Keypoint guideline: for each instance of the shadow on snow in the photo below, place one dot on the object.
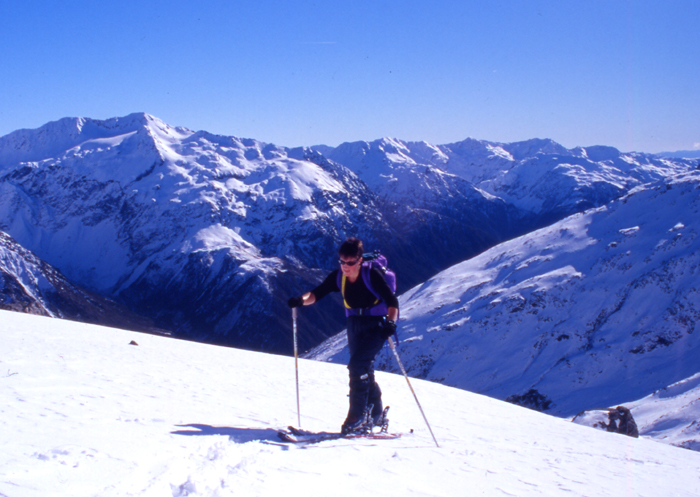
(237, 435)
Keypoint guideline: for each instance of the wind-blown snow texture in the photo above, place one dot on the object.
(209, 235)
(597, 310)
(85, 413)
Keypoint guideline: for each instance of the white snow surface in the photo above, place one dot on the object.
(85, 413)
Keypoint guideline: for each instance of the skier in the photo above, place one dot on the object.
(367, 332)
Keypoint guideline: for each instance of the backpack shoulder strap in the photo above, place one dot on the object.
(366, 277)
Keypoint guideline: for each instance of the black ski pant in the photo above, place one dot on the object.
(364, 343)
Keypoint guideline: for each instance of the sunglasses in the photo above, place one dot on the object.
(348, 263)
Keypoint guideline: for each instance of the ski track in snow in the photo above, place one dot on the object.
(85, 413)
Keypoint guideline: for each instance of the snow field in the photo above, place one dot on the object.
(85, 413)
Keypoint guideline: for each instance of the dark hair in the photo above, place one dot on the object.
(352, 247)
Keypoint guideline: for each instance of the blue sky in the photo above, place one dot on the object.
(619, 73)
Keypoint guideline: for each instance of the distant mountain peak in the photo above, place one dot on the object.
(51, 140)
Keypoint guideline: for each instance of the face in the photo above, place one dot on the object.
(350, 265)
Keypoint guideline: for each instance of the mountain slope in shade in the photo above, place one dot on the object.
(596, 310)
(28, 284)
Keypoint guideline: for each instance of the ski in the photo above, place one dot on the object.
(297, 436)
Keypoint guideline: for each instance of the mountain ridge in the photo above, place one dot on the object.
(209, 235)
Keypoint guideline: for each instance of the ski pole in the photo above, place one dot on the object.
(403, 370)
(296, 360)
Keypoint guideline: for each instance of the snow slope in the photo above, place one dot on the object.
(596, 310)
(86, 413)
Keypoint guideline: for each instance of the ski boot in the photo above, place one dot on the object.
(358, 426)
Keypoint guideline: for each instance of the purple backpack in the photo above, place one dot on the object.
(377, 260)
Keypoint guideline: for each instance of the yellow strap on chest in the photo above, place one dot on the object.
(342, 291)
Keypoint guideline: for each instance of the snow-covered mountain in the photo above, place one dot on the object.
(210, 235)
(446, 215)
(87, 413)
(538, 176)
(28, 284)
(597, 310)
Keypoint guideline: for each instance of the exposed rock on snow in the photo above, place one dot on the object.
(616, 420)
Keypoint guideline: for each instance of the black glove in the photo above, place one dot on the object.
(388, 328)
(295, 302)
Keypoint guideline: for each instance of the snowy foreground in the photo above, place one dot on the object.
(85, 413)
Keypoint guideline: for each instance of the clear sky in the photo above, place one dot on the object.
(304, 72)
